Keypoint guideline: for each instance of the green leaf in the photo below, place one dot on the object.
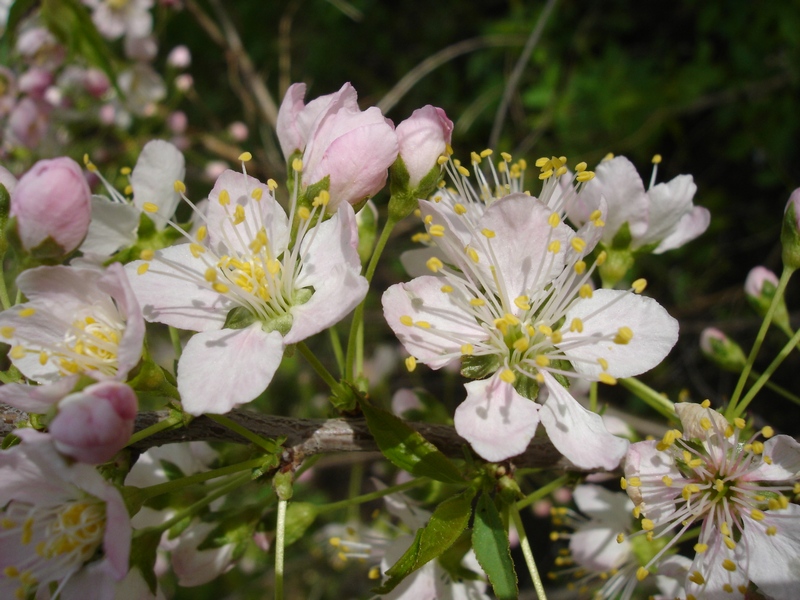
(446, 524)
(490, 543)
(19, 11)
(299, 517)
(479, 367)
(143, 555)
(407, 448)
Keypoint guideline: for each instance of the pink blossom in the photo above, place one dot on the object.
(39, 48)
(96, 82)
(352, 148)
(35, 82)
(179, 57)
(52, 202)
(422, 139)
(28, 122)
(94, 424)
(63, 524)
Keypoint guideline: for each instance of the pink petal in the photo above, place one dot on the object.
(220, 370)
(577, 433)
(496, 421)
(785, 454)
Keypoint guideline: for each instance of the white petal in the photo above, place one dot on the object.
(654, 334)
(594, 546)
(774, 559)
(496, 421)
(450, 325)
(577, 433)
(36, 398)
(172, 291)
(113, 226)
(220, 370)
(657, 501)
(599, 503)
(785, 454)
(668, 203)
(691, 225)
(153, 179)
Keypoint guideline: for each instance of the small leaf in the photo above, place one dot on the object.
(299, 517)
(445, 526)
(407, 448)
(490, 543)
(143, 555)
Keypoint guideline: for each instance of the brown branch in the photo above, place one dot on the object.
(307, 437)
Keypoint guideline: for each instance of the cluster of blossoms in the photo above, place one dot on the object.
(736, 490)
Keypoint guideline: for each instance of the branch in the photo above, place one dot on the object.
(307, 437)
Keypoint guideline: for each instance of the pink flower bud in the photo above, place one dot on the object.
(756, 278)
(183, 83)
(35, 82)
(52, 200)
(179, 57)
(96, 82)
(94, 424)
(422, 139)
(238, 131)
(28, 122)
(353, 148)
(177, 121)
(722, 350)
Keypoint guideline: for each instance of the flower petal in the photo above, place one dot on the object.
(220, 370)
(668, 203)
(773, 559)
(113, 226)
(578, 434)
(657, 501)
(691, 225)
(36, 398)
(496, 421)
(654, 334)
(785, 464)
(153, 179)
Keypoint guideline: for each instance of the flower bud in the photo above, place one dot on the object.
(720, 349)
(51, 208)
(760, 287)
(94, 424)
(790, 232)
(35, 82)
(95, 82)
(179, 57)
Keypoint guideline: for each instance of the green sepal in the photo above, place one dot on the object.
(622, 239)
(490, 543)
(790, 238)
(283, 484)
(143, 555)
(239, 317)
(479, 367)
(367, 221)
(48, 252)
(443, 529)
(345, 397)
(406, 448)
(616, 266)
(405, 199)
(148, 238)
(299, 517)
(527, 387)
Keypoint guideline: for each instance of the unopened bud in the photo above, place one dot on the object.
(790, 232)
(760, 287)
(720, 349)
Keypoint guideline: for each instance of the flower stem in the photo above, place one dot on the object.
(3, 289)
(371, 496)
(764, 379)
(280, 531)
(762, 332)
(268, 446)
(171, 486)
(167, 423)
(317, 366)
(355, 343)
(176, 342)
(542, 492)
(526, 552)
(651, 397)
(336, 346)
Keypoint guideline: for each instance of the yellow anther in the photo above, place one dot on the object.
(196, 250)
(7, 332)
(728, 565)
(411, 364)
(446, 289)
(202, 232)
(521, 302)
(641, 574)
(475, 158)
(43, 357)
(584, 176)
(463, 170)
(697, 578)
(27, 312)
(767, 431)
(428, 219)
(724, 529)
(705, 423)
(601, 258)
(540, 162)
(220, 288)
(125, 171)
(585, 291)
(656, 159)
(578, 244)
(210, 275)
(303, 213)
(142, 268)
(511, 319)
(477, 302)
(472, 253)
(757, 514)
(576, 326)
(506, 156)
(620, 538)
(545, 330)
(554, 246)
(297, 165)
(521, 345)
(467, 349)
(460, 209)
(238, 214)
(508, 376)
(706, 403)
(149, 207)
(434, 264)
(624, 336)
(607, 379)
(623, 483)
(272, 185)
(423, 324)
(772, 530)
(406, 320)
(542, 360)
(442, 159)
(553, 220)
(758, 447)
(274, 266)
(420, 237)
(245, 157)
(546, 174)
(580, 267)
(639, 285)
(667, 480)
(487, 232)
(147, 254)
(561, 171)
(179, 187)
